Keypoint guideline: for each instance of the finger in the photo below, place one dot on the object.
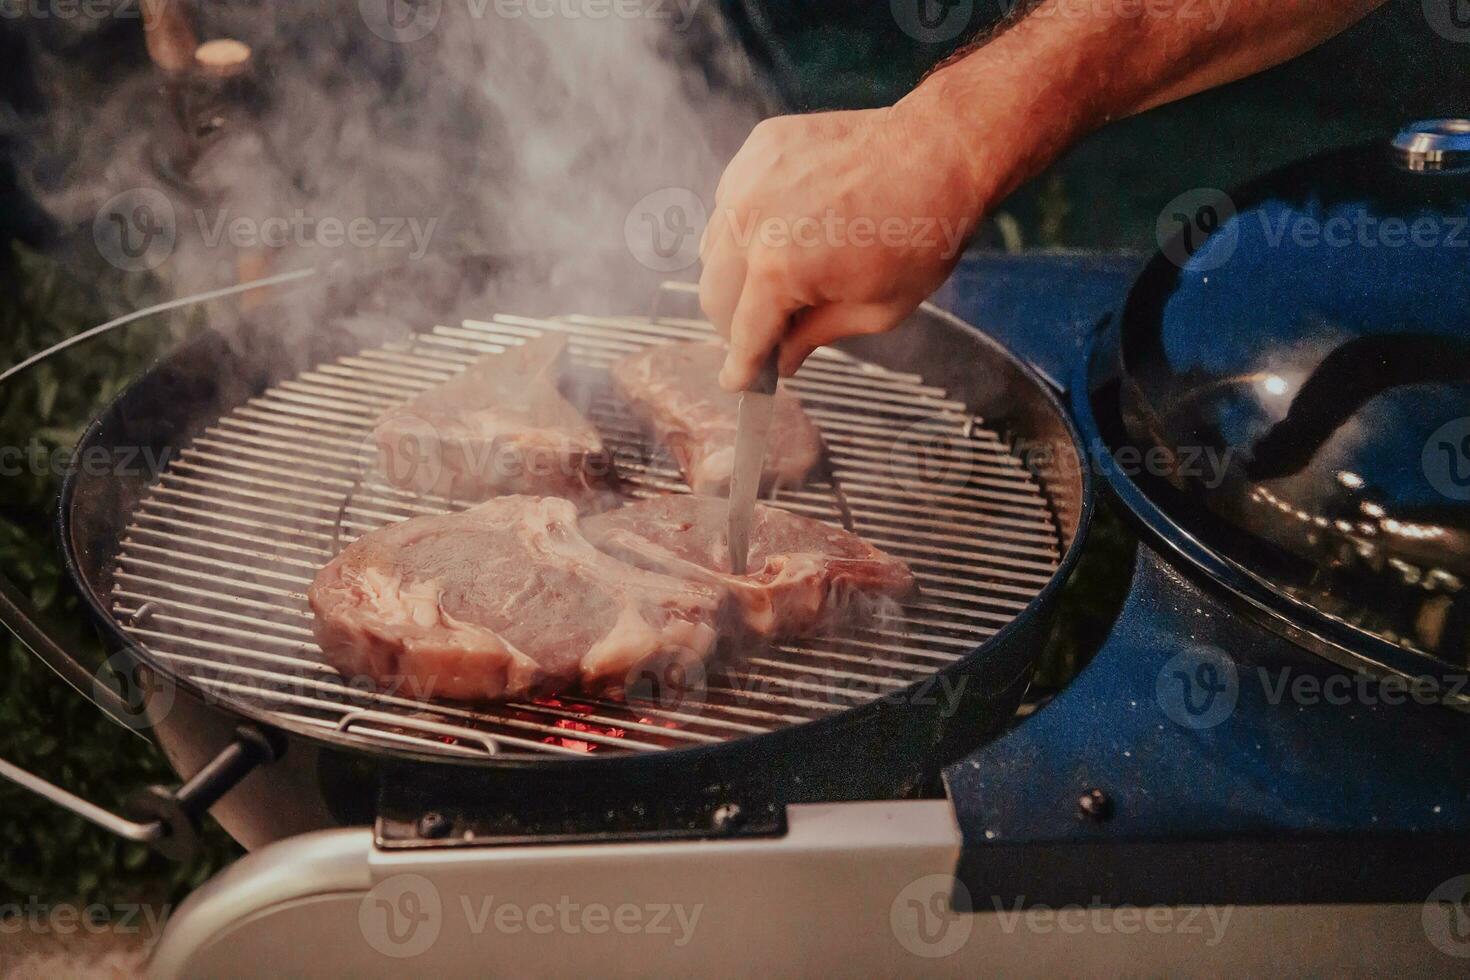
(720, 283)
(760, 321)
(826, 324)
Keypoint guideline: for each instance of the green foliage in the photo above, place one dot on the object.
(45, 726)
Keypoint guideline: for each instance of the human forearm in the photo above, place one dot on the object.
(1071, 66)
(782, 265)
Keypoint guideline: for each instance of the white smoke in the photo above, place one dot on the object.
(511, 127)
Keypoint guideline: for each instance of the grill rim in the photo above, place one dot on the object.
(829, 726)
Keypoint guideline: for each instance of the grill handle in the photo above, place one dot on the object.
(170, 821)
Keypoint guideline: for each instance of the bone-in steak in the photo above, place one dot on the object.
(805, 575)
(673, 389)
(500, 427)
(504, 600)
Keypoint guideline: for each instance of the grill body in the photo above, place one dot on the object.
(946, 685)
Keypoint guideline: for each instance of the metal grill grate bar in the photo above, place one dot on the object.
(215, 564)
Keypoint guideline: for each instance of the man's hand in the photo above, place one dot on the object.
(830, 225)
(841, 223)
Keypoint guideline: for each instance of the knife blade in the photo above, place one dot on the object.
(752, 427)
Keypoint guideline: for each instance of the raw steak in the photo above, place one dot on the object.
(501, 427)
(504, 600)
(673, 388)
(806, 576)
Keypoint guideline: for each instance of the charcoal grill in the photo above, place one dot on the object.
(966, 467)
(1181, 779)
(216, 559)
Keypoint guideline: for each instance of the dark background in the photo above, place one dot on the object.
(1106, 194)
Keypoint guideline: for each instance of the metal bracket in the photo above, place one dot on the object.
(449, 807)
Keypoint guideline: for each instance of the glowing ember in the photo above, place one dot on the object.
(578, 744)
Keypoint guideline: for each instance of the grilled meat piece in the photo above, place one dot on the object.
(673, 389)
(500, 427)
(805, 576)
(505, 600)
